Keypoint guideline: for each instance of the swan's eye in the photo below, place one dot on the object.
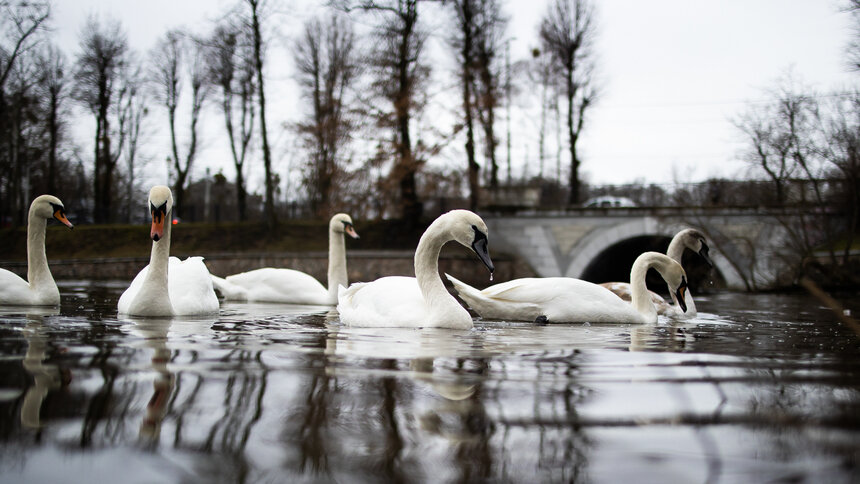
(478, 235)
(158, 212)
(683, 282)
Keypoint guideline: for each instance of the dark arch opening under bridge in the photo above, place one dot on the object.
(614, 262)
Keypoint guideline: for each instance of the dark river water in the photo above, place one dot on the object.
(759, 388)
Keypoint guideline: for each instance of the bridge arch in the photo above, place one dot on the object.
(645, 233)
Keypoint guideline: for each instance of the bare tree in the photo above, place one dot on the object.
(541, 73)
(326, 64)
(256, 6)
(779, 135)
(132, 112)
(853, 9)
(176, 56)
(463, 42)
(98, 76)
(567, 33)
(398, 60)
(55, 86)
(842, 152)
(491, 26)
(21, 24)
(232, 72)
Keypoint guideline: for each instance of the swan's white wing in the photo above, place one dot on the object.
(560, 299)
(13, 289)
(393, 301)
(281, 285)
(664, 307)
(190, 287)
(492, 307)
(129, 294)
(230, 291)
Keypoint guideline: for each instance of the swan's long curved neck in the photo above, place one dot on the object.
(337, 275)
(427, 268)
(159, 257)
(38, 272)
(640, 298)
(676, 248)
(675, 252)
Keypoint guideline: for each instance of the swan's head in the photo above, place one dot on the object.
(342, 224)
(470, 230)
(695, 241)
(161, 207)
(49, 206)
(676, 278)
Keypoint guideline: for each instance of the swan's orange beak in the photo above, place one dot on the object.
(157, 231)
(61, 216)
(350, 230)
(681, 294)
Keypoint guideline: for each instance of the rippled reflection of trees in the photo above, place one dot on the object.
(437, 419)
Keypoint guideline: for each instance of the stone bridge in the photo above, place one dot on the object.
(749, 247)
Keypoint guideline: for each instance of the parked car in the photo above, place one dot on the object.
(608, 201)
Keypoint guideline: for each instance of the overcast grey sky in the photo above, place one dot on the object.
(674, 73)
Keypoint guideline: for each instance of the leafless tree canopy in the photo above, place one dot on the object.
(853, 9)
(176, 61)
(232, 72)
(98, 81)
(399, 73)
(327, 67)
(567, 34)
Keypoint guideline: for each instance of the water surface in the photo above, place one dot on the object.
(758, 388)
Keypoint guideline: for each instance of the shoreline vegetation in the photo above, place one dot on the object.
(119, 251)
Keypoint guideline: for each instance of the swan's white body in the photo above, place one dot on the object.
(41, 290)
(421, 301)
(686, 239)
(290, 286)
(168, 286)
(568, 300)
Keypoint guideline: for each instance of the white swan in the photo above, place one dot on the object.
(41, 290)
(168, 286)
(270, 284)
(568, 300)
(686, 239)
(420, 301)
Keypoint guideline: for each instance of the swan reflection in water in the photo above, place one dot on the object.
(154, 332)
(46, 377)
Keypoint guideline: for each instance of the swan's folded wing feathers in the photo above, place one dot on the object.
(280, 285)
(190, 287)
(13, 289)
(522, 290)
(389, 301)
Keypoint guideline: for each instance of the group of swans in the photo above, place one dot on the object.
(170, 287)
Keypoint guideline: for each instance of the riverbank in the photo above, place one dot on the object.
(120, 251)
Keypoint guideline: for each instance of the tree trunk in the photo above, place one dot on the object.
(269, 207)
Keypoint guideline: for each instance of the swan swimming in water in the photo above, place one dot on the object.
(568, 300)
(686, 239)
(290, 286)
(168, 286)
(41, 290)
(421, 301)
